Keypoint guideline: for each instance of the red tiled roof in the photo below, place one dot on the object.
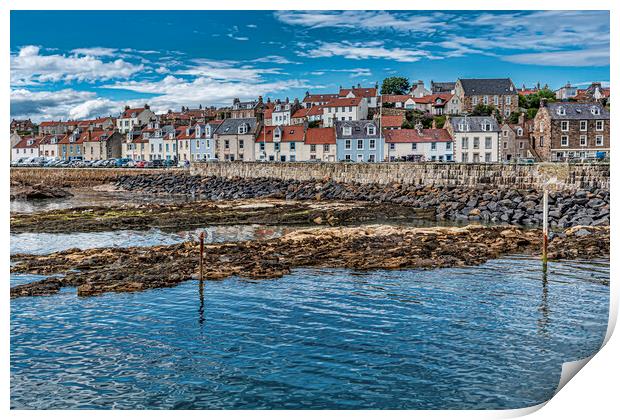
(321, 136)
(412, 135)
(306, 112)
(127, 113)
(182, 132)
(50, 123)
(395, 98)
(289, 133)
(23, 143)
(344, 102)
(96, 135)
(392, 120)
(359, 92)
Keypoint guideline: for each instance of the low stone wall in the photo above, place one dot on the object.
(75, 177)
(523, 177)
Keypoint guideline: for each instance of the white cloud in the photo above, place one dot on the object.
(278, 59)
(61, 104)
(363, 51)
(576, 58)
(358, 19)
(226, 71)
(175, 92)
(30, 67)
(238, 38)
(96, 51)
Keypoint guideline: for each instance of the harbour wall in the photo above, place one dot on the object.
(561, 176)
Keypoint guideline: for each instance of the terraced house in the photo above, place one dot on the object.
(476, 139)
(134, 118)
(234, 139)
(419, 145)
(26, 148)
(102, 144)
(319, 145)
(568, 130)
(344, 109)
(499, 93)
(280, 143)
(49, 146)
(71, 145)
(359, 141)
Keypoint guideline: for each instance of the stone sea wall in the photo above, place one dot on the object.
(522, 177)
(74, 177)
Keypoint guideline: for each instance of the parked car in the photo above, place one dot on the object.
(155, 163)
(120, 162)
(140, 163)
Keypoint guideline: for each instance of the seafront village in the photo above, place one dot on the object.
(463, 121)
(462, 206)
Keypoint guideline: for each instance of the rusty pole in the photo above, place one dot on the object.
(545, 222)
(202, 247)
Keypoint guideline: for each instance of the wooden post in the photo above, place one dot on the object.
(202, 247)
(545, 222)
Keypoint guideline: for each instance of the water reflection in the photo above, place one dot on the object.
(544, 302)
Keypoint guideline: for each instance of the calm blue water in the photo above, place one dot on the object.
(492, 336)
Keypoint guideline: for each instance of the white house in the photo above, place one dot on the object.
(134, 118)
(420, 145)
(281, 143)
(26, 148)
(369, 94)
(476, 139)
(344, 109)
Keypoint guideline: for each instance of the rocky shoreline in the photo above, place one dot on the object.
(38, 192)
(196, 214)
(96, 271)
(495, 205)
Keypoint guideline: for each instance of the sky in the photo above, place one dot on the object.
(84, 64)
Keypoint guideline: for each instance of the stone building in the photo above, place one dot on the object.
(248, 109)
(102, 144)
(514, 140)
(234, 139)
(476, 139)
(568, 130)
(134, 118)
(22, 126)
(499, 93)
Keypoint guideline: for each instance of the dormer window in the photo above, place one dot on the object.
(277, 134)
(187, 131)
(346, 131)
(519, 131)
(145, 135)
(461, 127)
(243, 128)
(30, 142)
(486, 126)
(561, 110)
(371, 130)
(595, 110)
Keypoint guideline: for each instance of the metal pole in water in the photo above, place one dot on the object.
(202, 247)
(545, 224)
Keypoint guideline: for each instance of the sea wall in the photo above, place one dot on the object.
(75, 177)
(524, 176)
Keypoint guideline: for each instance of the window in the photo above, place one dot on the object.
(271, 158)
(346, 131)
(561, 110)
(292, 158)
(485, 100)
(262, 147)
(350, 109)
(595, 110)
(312, 157)
(464, 157)
(414, 146)
(508, 100)
(599, 140)
(488, 143)
(520, 145)
(583, 125)
(392, 146)
(347, 157)
(360, 144)
(371, 158)
(371, 130)
(519, 132)
(564, 125)
(347, 144)
(487, 157)
(448, 145)
(461, 127)
(283, 158)
(496, 100)
(167, 147)
(326, 147)
(474, 100)
(505, 145)
(563, 141)
(292, 146)
(276, 147)
(433, 146)
(505, 133)
(476, 142)
(360, 158)
(226, 144)
(313, 148)
(583, 140)
(541, 141)
(599, 125)
(372, 144)
(464, 143)
(476, 157)
(241, 143)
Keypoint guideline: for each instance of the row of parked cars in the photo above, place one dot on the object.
(41, 161)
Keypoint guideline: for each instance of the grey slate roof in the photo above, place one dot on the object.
(488, 87)
(231, 126)
(442, 87)
(577, 111)
(475, 124)
(358, 129)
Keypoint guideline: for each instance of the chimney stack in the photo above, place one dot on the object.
(522, 119)
(434, 124)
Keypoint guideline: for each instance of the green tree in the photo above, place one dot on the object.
(440, 121)
(395, 85)
(482, 110)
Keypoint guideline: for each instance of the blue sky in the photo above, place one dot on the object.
(83, 64)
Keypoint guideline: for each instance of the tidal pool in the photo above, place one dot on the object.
(493, 336)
